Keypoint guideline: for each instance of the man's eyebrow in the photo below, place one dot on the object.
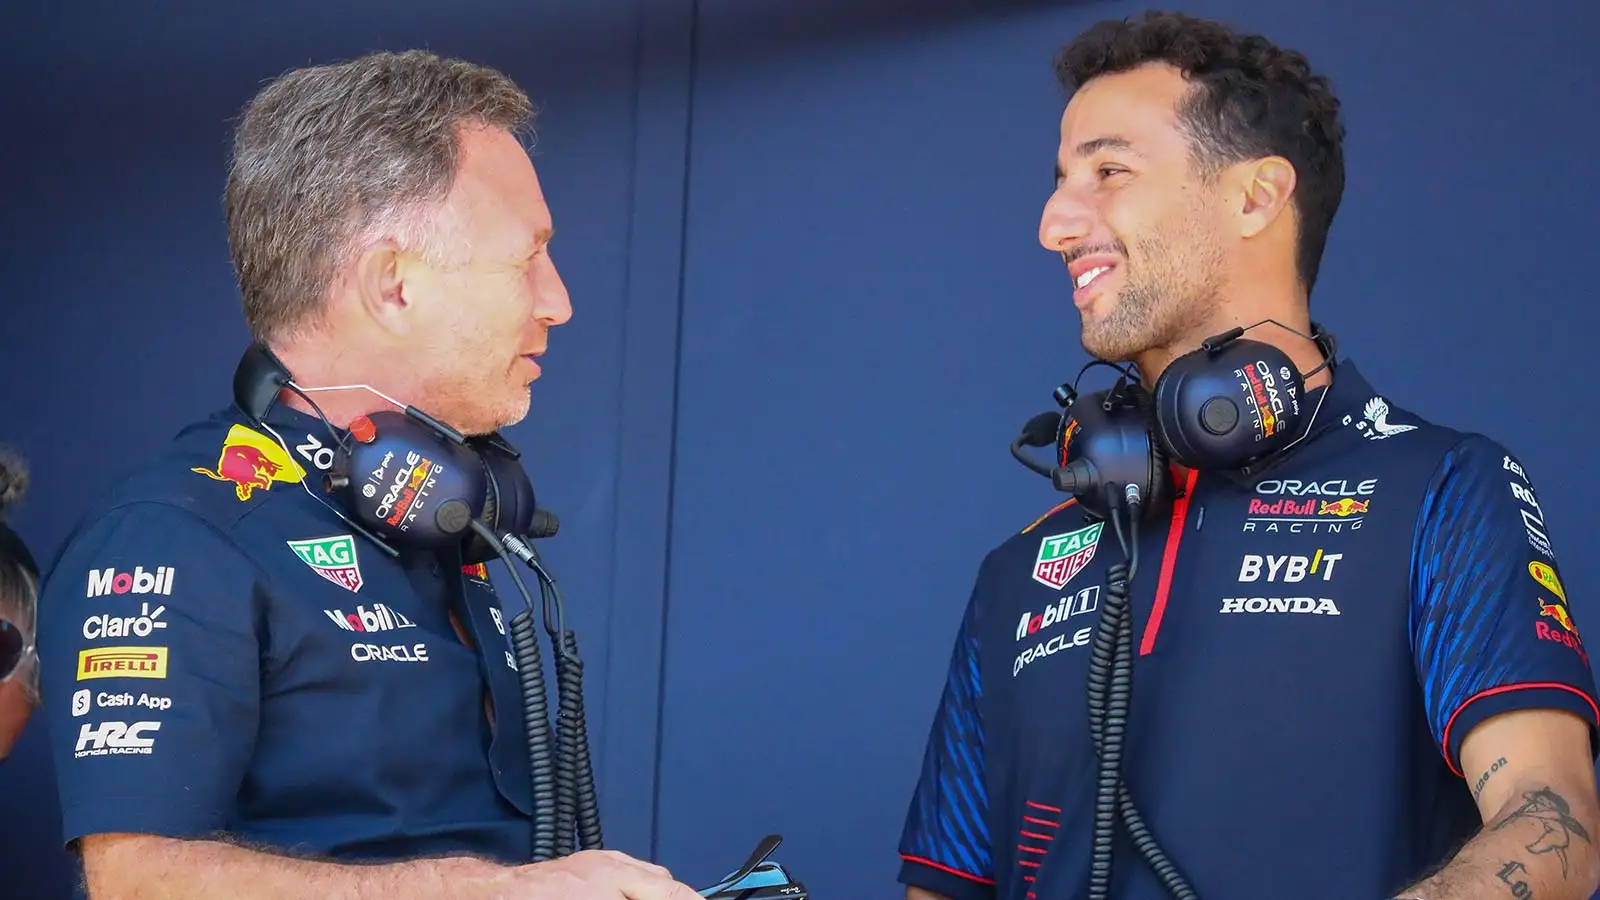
(1091, 147)
(1110, 142)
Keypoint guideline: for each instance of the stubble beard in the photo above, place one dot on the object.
(1159, 308)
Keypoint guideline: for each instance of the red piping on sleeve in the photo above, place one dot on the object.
(943, 868)
(1169, 561)
(1445, 738)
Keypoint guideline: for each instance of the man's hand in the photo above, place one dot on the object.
(145, 867)
(1532, 775)
(596, 875)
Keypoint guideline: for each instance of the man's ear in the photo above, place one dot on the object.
(1265, 188)
(378, 284)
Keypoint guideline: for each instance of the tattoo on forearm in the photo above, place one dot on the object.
(1512, 874)
(1477, 789)
(1553, 814)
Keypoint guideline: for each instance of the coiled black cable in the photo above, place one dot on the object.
(1110, 681)
(574, 727)
(545, 762)
(577, 804)
(536, 721)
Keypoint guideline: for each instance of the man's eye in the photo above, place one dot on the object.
(1108, 171)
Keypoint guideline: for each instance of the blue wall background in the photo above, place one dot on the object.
(810, 314)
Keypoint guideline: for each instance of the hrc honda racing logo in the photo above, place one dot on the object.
(1033, 625)
(108, 738)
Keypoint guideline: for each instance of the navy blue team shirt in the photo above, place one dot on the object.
(1312, 644)
(223, 654)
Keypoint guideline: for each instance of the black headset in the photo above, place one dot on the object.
(1226, 405)
(404, 479)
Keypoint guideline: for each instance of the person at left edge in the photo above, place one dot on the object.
(19, 588)
(247, 699)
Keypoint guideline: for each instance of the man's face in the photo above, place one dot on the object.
(481, 318)
(1141, 232)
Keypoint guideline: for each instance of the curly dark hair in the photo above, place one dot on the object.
(1249, 98)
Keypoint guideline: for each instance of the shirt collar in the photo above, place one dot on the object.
(1326, 407)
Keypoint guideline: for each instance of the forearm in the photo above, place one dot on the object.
(1534, 850)
(142, 867)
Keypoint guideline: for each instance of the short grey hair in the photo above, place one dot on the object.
(328, 155)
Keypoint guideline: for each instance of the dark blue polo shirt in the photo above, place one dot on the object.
(221, 653)
(1312, 642)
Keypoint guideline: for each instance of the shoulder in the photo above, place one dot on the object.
(212, 474)
(1386, 429)
(1472, 488)
(1057, 527)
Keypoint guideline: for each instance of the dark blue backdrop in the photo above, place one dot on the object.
(810, 313)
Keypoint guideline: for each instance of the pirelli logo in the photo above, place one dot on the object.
(122, 662)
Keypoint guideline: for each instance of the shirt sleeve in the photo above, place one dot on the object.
(1491, 627)
(944, 847)
(150, 674)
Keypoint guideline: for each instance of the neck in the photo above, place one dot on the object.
(314, 365)
(1287, 308)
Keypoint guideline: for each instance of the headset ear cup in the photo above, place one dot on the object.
(491, 501)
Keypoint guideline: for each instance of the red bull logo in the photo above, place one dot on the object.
(252, 460)
(1344, 506)
(1283, 506)
(1559, 613)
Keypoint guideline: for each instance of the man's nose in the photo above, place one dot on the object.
(551, 303)
(1067, 219)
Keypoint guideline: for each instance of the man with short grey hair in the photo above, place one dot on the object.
(250, 697)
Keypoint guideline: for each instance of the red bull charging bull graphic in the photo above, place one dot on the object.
(1563, 632)
(252, 461)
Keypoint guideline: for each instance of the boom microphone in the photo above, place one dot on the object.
(1039, 431)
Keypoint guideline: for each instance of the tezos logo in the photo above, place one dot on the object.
(139, 581)
(315, 452)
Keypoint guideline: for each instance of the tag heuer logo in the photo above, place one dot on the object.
(334, 558)
(1062, 556)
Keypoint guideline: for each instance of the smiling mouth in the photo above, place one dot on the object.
(1089, 277)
